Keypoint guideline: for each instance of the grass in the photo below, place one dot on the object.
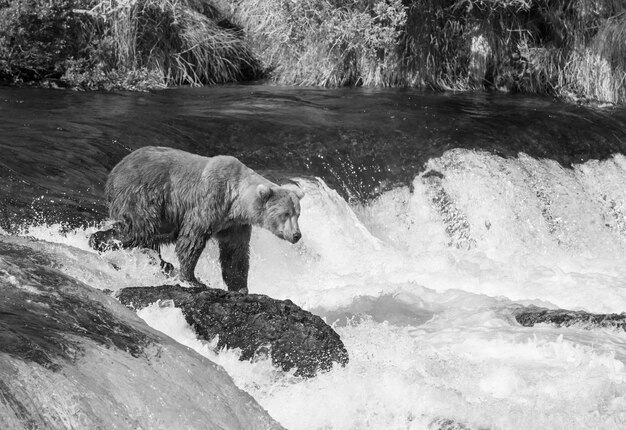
(598, 70)
(181, 40)
(323, 42)
(122, 43)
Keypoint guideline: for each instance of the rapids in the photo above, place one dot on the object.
(427, 219)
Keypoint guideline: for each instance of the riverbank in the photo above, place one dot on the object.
(570, 50)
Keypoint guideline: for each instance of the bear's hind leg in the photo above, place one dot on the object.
(188, 250)
(234, 246)
(108, 240)
(160, 240)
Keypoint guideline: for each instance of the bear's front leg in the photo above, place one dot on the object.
(235, 257)
(188, 249)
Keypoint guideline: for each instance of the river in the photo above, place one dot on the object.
(428, 218)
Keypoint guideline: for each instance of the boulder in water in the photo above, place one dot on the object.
(255, 323)
(531, 315)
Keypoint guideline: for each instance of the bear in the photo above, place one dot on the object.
(161, 195)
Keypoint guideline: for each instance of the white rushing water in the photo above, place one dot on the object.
(431, 273)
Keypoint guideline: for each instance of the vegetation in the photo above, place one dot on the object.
(324, 42)
(560, 47)
(120, 43)
(569, 48)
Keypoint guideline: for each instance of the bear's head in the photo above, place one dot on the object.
(280, 209)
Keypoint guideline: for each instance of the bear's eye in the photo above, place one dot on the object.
(285, 215)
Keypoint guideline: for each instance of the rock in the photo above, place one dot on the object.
(257, 324)
(529, 316)
(72, 357)
(447, 424)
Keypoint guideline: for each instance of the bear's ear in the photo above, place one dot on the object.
(299, 192)
(263, 191)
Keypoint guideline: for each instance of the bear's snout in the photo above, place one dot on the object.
(296, 237)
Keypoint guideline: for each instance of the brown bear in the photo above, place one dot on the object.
(161, 195)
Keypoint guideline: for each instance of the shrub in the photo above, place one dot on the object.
(121, 43)
(327, 42)
(598, 69)
(35, 37)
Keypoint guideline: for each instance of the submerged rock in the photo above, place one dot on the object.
(257, 324)
(72, 357)
(447, 424)
(532, 315)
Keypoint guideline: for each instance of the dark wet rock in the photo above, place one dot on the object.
(257, 324)
(529, 316)
(449, 424)
(73, 357)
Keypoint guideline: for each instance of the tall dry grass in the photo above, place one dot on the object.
(179, 41)
(597, 69)
(324, 42)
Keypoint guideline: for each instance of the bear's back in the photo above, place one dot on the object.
(155, 165)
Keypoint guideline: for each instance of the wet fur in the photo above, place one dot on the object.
(162, 195)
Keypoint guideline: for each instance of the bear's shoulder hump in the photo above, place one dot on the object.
(226, 161)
